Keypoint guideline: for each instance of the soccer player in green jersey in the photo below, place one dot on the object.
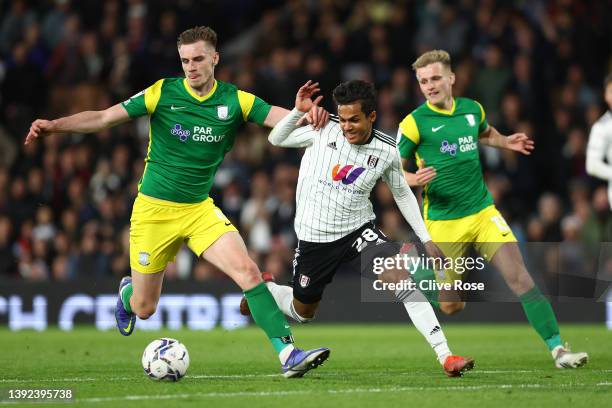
(193, 122)
(443, 135)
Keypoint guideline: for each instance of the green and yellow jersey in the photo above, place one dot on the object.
(189, 135)
(448, 141)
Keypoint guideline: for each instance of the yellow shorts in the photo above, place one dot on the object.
(486, 230)
(158, 228)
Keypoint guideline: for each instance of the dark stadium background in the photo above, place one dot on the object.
(65, 202)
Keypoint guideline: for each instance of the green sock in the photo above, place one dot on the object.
(268, 316)
(541, 317)
(126, 294)
(431, 295)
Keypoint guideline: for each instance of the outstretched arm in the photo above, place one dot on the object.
(519, 142)
(275, 115)
(82, 122)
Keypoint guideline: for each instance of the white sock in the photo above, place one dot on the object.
(424, 319)
(283, 296)
(284, 354)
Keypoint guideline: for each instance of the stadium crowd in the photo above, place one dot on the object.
(65, 202)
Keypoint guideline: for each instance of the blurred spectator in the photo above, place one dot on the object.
(550, 211)
(256, 214)
(8, 262)
(14, 23)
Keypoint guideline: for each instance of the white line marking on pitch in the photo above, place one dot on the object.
(85, 379)
(222, 376)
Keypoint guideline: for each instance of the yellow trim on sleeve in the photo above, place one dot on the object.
(152, 95)
(410, 130)
(195, 95)
(246, 101)
(442, 111)
(482, 112)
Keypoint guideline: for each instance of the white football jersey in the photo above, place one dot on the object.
(336, 179)
(600, 148)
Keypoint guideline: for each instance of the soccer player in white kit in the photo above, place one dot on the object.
(334, 218)
(598, 149)
(600, 143)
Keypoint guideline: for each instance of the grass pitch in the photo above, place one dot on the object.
(370, 365)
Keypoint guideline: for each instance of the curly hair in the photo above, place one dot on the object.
(356, 91)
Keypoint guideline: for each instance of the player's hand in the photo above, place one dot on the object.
(39, 128)
(303, 99)
(520, 142)
(315, 114)
(434, 251)
(424, 174)
(318, 116)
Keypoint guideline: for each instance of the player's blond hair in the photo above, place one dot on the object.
(431, 57)
(198, 33)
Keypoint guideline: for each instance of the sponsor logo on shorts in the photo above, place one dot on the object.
(183, 134)
(345, 174)
(450, 148)
(304, 280)
(143, 258)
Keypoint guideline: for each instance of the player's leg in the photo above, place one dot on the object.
(287, 303)
(453, 237)
(506, 257)
(290, 306)
(314, 267)
(211, 235)
(146, 289)
(416, 304)
(154, 241)
(229, 254)
(450, 301)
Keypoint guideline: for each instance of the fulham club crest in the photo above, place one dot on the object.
(372, 161)
(304, 280)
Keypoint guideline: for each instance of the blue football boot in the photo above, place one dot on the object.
(125, 320)
(302, 361)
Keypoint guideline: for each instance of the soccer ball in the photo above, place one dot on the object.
(165, 359)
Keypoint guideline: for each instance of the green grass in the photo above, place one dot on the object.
(370, 365)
